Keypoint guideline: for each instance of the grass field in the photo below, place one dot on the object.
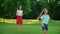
(6, 28)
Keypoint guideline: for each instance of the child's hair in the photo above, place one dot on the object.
(19, 7)
(43, 10)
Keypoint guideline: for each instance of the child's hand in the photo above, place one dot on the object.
(37, 18)
(42, 25)
(16, 14)
(51, 20)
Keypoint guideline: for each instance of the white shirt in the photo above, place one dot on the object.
(20, 12)
(45, 19)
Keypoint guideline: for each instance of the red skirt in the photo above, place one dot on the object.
(19, 20)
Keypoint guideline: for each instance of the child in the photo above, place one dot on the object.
(19, 15)
(44, 20)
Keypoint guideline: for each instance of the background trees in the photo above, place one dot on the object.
(31, 8)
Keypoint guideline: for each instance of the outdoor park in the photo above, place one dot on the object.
(31, 10)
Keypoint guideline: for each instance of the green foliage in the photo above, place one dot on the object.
(9, 7)
(31, 8)
(54, 10)
(26, 7)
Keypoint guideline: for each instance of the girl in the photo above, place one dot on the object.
(44, 20)
(19, 15)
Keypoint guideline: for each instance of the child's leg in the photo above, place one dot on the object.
(20, 27)
(45, 31)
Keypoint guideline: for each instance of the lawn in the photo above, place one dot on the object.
(7, 28)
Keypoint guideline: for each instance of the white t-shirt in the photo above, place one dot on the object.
(45, 19)
(20, 12)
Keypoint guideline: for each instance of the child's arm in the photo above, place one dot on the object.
(42, 24)
(40, 18)
(51, 20)
(16, 13)
(40, 15)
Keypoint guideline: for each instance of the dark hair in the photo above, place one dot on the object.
(43, 11)
(19, 7)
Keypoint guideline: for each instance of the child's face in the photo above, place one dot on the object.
(46, 11)
(20, 7)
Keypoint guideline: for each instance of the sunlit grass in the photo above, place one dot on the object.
(25, 21)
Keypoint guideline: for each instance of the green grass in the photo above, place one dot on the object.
(29, 29)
